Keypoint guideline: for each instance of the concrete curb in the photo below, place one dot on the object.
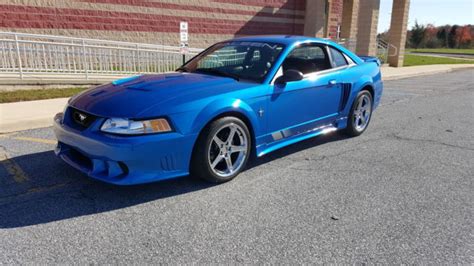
(29, 115)
(37, 114)
(389, 73)
(33, 123)
(403, 76)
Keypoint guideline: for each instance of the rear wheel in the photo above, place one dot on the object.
(360, 114)
(222, 150)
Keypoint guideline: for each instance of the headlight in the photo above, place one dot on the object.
(135, 127)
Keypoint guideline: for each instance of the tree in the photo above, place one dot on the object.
(431, 40)
(442, 35)
(430, 36)
(417, 35)
(463, 36)
(452, 41)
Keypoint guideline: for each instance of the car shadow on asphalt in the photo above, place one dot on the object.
(52, 191)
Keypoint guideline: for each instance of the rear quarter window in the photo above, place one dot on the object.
(337, 57)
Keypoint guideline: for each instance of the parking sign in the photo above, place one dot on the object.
(183, 31)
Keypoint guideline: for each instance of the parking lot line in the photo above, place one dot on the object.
(45, 141)
(13, 168)
(10, 165)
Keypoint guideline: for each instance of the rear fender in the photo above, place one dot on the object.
(363, 82)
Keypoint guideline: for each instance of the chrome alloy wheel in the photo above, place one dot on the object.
(362, 113)
(228, 150)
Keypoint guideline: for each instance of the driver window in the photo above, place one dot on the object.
(307, 59)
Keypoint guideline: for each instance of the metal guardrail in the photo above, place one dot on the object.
(23, 53)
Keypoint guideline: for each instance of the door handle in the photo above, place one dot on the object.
(332, 82)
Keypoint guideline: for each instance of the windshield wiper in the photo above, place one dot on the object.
(217, 72)
(183, 69)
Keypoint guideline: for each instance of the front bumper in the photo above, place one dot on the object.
(124, 160)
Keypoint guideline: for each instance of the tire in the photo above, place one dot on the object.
(217, 157)
(360, 114)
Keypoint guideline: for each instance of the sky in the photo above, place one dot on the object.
(437, 12)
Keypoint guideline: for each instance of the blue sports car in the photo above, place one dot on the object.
(238, 98)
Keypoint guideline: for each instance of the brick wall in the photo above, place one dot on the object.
(334, 17)
(155, 21)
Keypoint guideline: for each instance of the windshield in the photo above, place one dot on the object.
(237, 59)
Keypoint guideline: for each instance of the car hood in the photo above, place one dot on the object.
(135, 97)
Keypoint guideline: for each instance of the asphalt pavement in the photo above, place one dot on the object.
(400, 193)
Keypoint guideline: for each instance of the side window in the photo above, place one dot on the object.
(307, 59)
(337, 57)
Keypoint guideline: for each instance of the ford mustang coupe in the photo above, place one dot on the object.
(238, 98)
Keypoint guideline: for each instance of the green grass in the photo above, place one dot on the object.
(443, 51)
(31, 95)
(418, 60)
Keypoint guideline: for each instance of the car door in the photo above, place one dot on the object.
(314, 100)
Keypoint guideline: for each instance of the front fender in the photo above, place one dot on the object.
(221, 106)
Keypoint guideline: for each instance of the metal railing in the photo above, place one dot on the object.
(23, 53)
(385, 49)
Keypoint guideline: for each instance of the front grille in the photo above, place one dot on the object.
(81, 119)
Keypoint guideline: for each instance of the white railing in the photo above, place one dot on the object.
(385, 49)
(32, 53)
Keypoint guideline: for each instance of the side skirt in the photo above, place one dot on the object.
(325, 129)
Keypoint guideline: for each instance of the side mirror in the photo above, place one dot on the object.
(289, 75)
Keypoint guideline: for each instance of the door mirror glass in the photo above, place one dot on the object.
(288, 76)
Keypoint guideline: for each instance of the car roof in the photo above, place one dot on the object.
(293, 40)
(283, 39)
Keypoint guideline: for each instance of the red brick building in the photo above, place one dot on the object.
(157, 21)
(154, 21)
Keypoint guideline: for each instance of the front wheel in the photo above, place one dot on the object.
(360, 114)
(222, 150)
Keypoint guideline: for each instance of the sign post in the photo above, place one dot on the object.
(183, 36)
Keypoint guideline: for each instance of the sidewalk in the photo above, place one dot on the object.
(391, 73)
(37, 114)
